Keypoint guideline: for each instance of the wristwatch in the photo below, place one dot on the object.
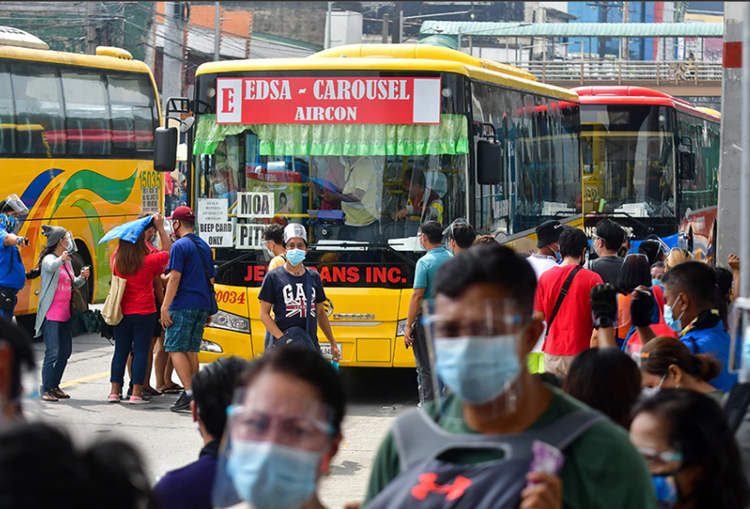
(603, 322)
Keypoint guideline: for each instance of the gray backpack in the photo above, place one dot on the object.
(431, 483)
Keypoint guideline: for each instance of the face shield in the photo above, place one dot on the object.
(273, 451)
(14, 204)
(474, 350)
(70, 242)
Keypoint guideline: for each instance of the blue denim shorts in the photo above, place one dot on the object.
(186, 332)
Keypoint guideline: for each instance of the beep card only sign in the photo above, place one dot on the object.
(370, 100)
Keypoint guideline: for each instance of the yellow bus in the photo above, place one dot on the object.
(76, 144)
(427, 132)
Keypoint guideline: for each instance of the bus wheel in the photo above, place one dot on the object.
(27, 323)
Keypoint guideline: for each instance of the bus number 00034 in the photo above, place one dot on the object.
(230, 297)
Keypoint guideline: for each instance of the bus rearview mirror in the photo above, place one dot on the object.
(165, 148)
(489, 163)
(687, 166)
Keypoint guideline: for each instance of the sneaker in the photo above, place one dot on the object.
(182, 404)
(135, 400)
(114, 398)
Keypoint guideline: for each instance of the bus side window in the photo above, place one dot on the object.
(7, 113)
(40, 116)
(132, 101)
(87, 113)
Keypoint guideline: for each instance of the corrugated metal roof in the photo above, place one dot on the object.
(572, 29)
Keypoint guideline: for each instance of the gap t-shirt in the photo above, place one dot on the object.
(286, 293)
(571, 330)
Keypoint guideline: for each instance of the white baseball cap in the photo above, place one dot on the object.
(293, 230)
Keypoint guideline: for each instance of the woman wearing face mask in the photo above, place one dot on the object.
(11, 264)
(690, 451)
(53, 311)
(285, 289)
(282, 433)
(666, 363)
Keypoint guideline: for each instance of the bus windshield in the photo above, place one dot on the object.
(337, 182)
(629, 159)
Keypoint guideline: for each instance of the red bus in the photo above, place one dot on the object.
(651, 163)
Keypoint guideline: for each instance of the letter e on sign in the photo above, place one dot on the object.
(228, 101)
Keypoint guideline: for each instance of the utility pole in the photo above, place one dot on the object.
(328, 25)
(625, 44)
(90, 28)
(172, 75)
(604, 8)
(386, 24)
(217, 31)
(399, 28)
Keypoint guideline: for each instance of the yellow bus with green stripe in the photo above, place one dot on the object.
(76, 144)
(270, 137)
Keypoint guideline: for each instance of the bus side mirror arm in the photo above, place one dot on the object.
(687, 159)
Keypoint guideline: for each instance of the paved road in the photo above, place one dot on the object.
(168, 440)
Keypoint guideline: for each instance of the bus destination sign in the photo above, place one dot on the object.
(328, 100)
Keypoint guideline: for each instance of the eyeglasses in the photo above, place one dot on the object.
(654, 456)
(252, 424)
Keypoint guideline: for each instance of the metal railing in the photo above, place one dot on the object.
(624, 71)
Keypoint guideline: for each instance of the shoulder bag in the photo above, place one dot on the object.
(211, 293)
(561, 298)
(297, 336)
(112, 310)
(82, 319)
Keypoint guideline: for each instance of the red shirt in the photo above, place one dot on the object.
(571, 330)
(138, 298)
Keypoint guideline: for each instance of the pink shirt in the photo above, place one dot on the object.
(59, 311)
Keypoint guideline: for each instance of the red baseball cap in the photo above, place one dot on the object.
(183, 213)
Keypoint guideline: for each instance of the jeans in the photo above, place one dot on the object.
(134, 331)
(58, 343)
(424, 367)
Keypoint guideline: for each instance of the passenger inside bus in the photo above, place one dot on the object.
(421, 203)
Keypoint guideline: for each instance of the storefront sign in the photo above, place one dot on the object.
(328, 101)
(341, 274)
(255, 205)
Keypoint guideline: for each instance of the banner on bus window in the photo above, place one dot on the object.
(328, 100)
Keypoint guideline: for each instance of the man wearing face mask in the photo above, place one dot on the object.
(12, 272)
(548, 248)
(563, 302)
(213, 388)
(187, 304)
(285, 291)
(430, 239)
(691, 311)
(451, 454)
(273, 237)
(608, 239)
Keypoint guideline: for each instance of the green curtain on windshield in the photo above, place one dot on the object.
(448, 137)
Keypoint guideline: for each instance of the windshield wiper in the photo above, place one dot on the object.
(383, 247)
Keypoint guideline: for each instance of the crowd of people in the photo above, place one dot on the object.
(624, 405)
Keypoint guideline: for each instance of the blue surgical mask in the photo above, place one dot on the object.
(667, 491)
(267, 475)
(656, 282)
(10, 223)
(673, 323)
(295, 256)
(477, 368)
(421, 246)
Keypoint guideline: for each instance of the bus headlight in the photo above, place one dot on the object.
(228, 321)
(400, 327)
(211, 347)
